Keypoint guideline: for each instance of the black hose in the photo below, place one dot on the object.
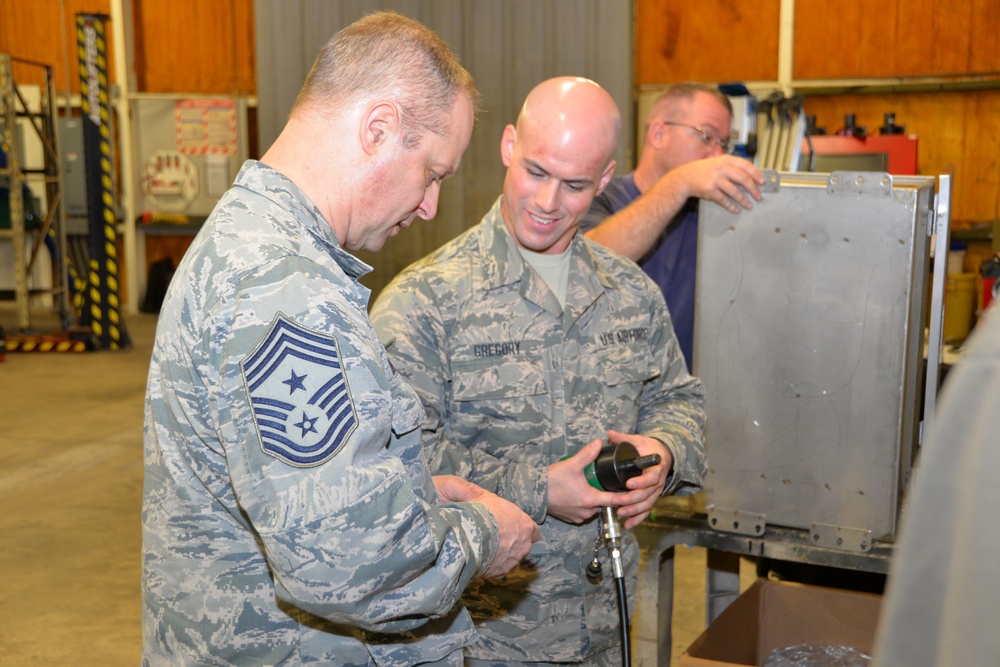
(623, 615)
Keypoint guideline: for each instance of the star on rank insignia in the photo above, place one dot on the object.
(301, 403)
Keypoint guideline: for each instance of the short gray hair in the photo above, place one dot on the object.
(680, 92)
(388, 55)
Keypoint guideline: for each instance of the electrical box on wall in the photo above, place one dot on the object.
(73, 167)
(189, 151)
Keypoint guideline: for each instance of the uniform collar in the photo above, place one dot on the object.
(271, 183)
(503, 265)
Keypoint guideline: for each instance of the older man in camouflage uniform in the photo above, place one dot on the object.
(288, 515)
(527, 343)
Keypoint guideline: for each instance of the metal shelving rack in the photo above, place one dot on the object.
(54, 224)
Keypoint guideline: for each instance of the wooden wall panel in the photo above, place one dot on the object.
(720, 40)
(32, 30)
(957, 131)
(895, 38)
(710, 40)
(195, 46)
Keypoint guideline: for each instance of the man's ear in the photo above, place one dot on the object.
(655, 133)
(379, 123)
(507, 142)
(605, 177)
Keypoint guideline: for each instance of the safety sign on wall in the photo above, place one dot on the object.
(205, 126)
(190, 149)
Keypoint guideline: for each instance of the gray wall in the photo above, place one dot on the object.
(507, 45)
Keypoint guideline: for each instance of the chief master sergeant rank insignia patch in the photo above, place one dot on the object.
(301, 403)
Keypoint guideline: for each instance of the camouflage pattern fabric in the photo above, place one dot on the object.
(610, 658)
(288, 514)
(511, 383)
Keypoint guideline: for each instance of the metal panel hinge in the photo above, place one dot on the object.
(857, 183)
(939, 212)
(735, 521)
(841, 537)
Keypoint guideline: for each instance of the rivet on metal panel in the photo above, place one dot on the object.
(772, 181)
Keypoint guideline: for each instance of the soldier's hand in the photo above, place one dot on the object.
(571, 497)
(517, 533)
(517, 530)
(636, 503)
(454, 489)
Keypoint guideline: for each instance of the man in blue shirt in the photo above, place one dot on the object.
(683, 159)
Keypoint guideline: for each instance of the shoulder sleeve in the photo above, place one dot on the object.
(324, 468)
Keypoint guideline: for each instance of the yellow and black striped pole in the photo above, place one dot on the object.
(102, 307)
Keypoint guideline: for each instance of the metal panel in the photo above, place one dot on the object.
(809, 341)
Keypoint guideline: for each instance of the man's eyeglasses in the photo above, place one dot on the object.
(706, 137)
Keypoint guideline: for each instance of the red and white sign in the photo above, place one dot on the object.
(205, 126)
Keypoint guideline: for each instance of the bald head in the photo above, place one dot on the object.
(577, 111)
(558, 158)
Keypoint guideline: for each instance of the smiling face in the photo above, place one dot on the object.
(558, 160)
(406, 183)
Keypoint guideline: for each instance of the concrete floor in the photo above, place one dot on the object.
(71, 490)
(71, 493)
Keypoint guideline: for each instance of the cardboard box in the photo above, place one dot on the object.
(773, 614)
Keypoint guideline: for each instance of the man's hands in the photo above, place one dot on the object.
(635, 504)
(571, 498)
(719, 179)
(517, 530)
(635, 229)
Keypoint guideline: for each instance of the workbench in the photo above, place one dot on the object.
(677, 521)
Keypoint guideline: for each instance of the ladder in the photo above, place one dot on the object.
(14, 175)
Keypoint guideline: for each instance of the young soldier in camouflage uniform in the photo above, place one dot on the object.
(527, 343)
(288, 517)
